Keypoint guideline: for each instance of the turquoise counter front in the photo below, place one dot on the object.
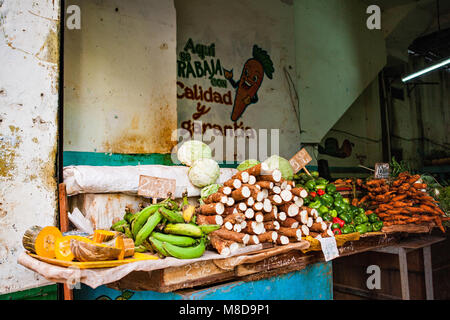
(315, 282)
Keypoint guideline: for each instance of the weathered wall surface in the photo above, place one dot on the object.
(119, 83)
(218, 36)
(28, 129)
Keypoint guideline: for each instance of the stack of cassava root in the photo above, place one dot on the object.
(256, 206)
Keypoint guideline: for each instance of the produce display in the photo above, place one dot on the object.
(103, 245)
(403, 200)
(168, 229)
(259, 205)
(346, 217)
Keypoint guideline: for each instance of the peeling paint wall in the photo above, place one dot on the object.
(28, 130)
(119, 77)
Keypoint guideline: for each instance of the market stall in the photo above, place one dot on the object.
(259, 221)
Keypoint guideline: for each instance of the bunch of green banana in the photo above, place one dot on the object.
(166, 228)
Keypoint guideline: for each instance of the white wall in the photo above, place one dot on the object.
(119, 77)
(28, 127)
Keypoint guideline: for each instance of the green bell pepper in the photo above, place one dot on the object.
(363, 217)
(338, 196)
(306, 201)
(329, 200)
(315, 205)
(358, 220)
(373, 218)
(361, 210)
(310, 185)
(330, 188)
(333, 213)
(377, 226)
(315, 174)
(369, 227)
(346, 229)
(322, 209)
(322, 181)
(346, 200)
(346, 217)
(362, 228)
(327, 216)
(320, 186)
(335, 226)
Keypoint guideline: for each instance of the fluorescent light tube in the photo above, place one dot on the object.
(428, 69)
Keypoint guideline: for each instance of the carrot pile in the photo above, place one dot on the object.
(401, 201)
(257, 205)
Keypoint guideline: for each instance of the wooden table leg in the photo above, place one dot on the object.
(403, 273)
(428, 272)
(64, 226)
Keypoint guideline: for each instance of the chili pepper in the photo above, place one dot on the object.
(313, 194)
(339, 221)
(337, 231)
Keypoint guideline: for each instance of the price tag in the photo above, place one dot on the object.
(381, 170)
(329, 247)
(153, 187)
(300, 160)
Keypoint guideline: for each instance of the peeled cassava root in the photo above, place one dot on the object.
(41, 241)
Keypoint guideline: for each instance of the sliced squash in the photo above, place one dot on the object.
(91, 251)
(104, 235)
(41, 241)
(128, 245)
(62, 247)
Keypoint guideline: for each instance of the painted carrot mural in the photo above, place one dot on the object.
(251, 78)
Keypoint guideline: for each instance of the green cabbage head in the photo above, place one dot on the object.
(204, 172)
(246, 164)
(193, 150)
(280, 163)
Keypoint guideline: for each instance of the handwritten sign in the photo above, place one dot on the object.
(153, 187)
(300, 160)
(381, 170)
(329, 247)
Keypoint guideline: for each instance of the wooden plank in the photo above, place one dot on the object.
(418, 243)
(428, 270)
(367, 294)
(64, 227)
(404, 273)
